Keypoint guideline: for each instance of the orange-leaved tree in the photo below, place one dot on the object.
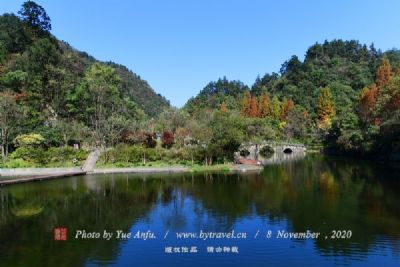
(367, 101)
(384, 73)
(325, 108)
(254, 113)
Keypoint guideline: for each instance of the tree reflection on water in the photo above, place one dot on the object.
(316, 193)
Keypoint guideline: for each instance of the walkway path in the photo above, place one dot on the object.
(91, 160)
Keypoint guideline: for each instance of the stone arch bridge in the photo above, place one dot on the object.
(278, 151)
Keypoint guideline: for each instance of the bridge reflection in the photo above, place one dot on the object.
(281, 157)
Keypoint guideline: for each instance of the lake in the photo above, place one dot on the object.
(209, 219)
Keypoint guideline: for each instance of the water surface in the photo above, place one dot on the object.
(315, 193)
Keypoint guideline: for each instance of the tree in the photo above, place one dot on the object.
(15, 81)
(275, 108)
(10, 116)
(73, 130)
(367, 101)
(180, 135)
(171, 119)
(167, 139)
(115, 125)
(35, 16)
(254, 113)
(264, 106)
(223, 107)
(325, 108)
(227, 136)
(287, 105)
(13, 37)
(99, 96)
(298, 123)
(32, 139)
(246, 104)
(384, 73)
(388, 99)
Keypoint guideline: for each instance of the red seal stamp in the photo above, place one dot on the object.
(60, 234)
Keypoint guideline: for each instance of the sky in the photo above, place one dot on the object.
(179, 46)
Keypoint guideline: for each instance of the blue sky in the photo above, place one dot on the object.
(178, 46)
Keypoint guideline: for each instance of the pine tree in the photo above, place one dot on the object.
(325, 108)
(264, 105)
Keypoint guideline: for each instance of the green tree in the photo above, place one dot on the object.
(99, 98)
(246, 104)
(275, 108)
(227, 135)
(10, 117)
(35, 16)
(13, 37)
(171, 119)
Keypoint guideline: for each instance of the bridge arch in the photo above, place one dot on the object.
(287, 150)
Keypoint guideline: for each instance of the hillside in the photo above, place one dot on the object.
(344, 66)
(23, 46)
(343, 95)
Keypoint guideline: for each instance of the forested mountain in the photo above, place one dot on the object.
(48, 87)
(343, 95)
(217, 92)
(134, 87)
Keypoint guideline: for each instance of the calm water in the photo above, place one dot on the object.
(316, 194)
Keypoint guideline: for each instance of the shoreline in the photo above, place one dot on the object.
(16, 176)
(179, 169)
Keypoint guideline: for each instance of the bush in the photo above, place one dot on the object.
(17, 163)
(39, 157)
(35, 155)
(127, 155)
(32, 139)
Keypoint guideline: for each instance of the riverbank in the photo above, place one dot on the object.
(177, 169)
(28, 179)
(15, 176)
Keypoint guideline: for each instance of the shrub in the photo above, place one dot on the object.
(18, 163)
(30, 154)
(31, 139)
(38, 156)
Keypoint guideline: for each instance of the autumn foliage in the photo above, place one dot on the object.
(367, 101)
(264, 107)
(167, 139)
(384, 73)
(325, 108)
